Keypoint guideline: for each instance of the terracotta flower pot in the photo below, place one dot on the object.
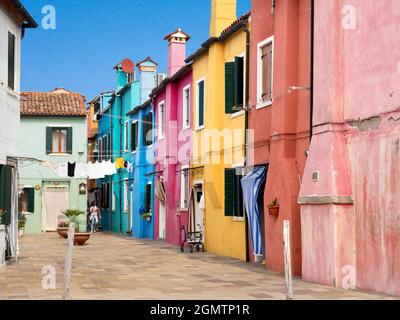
(81, 238)
(63, 232)
(273, 211)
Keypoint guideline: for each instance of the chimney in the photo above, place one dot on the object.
(122, 76)
(223, 13)
(176, 50)
(147, 77)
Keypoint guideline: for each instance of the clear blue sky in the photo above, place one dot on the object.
(93, 35)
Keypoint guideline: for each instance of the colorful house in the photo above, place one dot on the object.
(14, 20)
(92, 147)
(56, 121)
(219, 97)
(139, 136)
(279, 118)
(172, 104)
(349, 199)
(103, 115)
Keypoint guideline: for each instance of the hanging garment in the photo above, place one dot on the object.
(251, 185)
(71, 169)
(95, 170)
(109, 168)
(120, 163)
(81, 170)
(129, 167)
(62, 170)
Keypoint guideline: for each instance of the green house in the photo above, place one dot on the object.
(53, 132)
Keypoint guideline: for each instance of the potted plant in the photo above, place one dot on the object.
(62, 229)
(273, 208)
(80, 237)
(147, 216)
(21, 224)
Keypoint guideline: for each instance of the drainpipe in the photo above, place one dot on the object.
(312, 70)
(246, 125)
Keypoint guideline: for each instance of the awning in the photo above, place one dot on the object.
(251, 185)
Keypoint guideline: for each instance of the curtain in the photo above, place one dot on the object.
(55, 200)
(159, 190)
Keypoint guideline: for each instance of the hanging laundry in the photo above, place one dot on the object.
(95, 170)
(62, 170)
(71, 169)
(81, 170)
(129, 166)
(109, 168)
(120, 163)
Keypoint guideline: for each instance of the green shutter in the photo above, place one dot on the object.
(229, 86)
(31, 200)
(201, 103)
(229, 192)
(49, 138)
(147, 198)
(5, 192)
(134, 134)
(238, 81)
(238, 201)
(69, 140)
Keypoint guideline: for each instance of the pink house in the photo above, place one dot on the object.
(350, 203)
(172, 105)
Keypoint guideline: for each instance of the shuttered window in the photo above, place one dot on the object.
(5, 193)
(234, 85)
(28, 200)
(266, 69)
(233, 194)
(134, 136)
(58, 140)
(200, 104)
(11, 60)
(147, 129)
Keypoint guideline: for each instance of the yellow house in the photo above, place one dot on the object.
(219, 94)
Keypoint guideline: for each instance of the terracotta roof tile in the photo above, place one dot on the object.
(56, 103)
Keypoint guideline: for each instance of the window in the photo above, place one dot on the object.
(113, 200)
(100, 153)
(105, 195)
(126, 196)
(109, 146)
(265, 72)
(186, 108)
(147, 129)
(126, 136)
(28, 200)
(161, 119)
(11, 60)
(134, 136)
(147, 198)
(6, 176)
(58, 140)
(234, 85)
(200, 104)
(233, 194)
(185, 188)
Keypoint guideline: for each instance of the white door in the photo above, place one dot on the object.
(55, 200)
(199, 208)
(162, 221)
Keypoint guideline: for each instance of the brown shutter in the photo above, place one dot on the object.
(267, 72)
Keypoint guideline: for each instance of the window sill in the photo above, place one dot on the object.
(183, 209)
(238, 219)
(161, 138)
(199, 128)
(264, 104)
(12, 93)
(59, 154)
(237, 114)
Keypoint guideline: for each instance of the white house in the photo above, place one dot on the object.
(14, 19)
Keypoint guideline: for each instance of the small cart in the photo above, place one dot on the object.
(192, 240)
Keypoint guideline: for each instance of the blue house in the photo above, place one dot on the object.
(141, 123)
(118, 138)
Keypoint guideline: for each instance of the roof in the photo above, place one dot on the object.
(177, 33)
(18, 10)
(226, 33)
(142, 106)
(56, 103)
(145, 60)
(180, 73)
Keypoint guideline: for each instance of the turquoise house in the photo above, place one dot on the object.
(141, 123)
(115, 142)
(53, 130)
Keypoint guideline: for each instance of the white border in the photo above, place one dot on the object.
(160, 128)
(183, 167)
(259, 103)
(184, 114)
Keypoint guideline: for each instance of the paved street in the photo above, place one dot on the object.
(114, 267)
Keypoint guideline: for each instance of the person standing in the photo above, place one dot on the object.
(94, 213)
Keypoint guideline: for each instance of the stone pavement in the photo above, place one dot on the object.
(115, 267)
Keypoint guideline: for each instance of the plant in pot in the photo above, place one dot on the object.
(72, 215)
(146, 216)
(273, 208)
(21, 224)
(62, 229)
